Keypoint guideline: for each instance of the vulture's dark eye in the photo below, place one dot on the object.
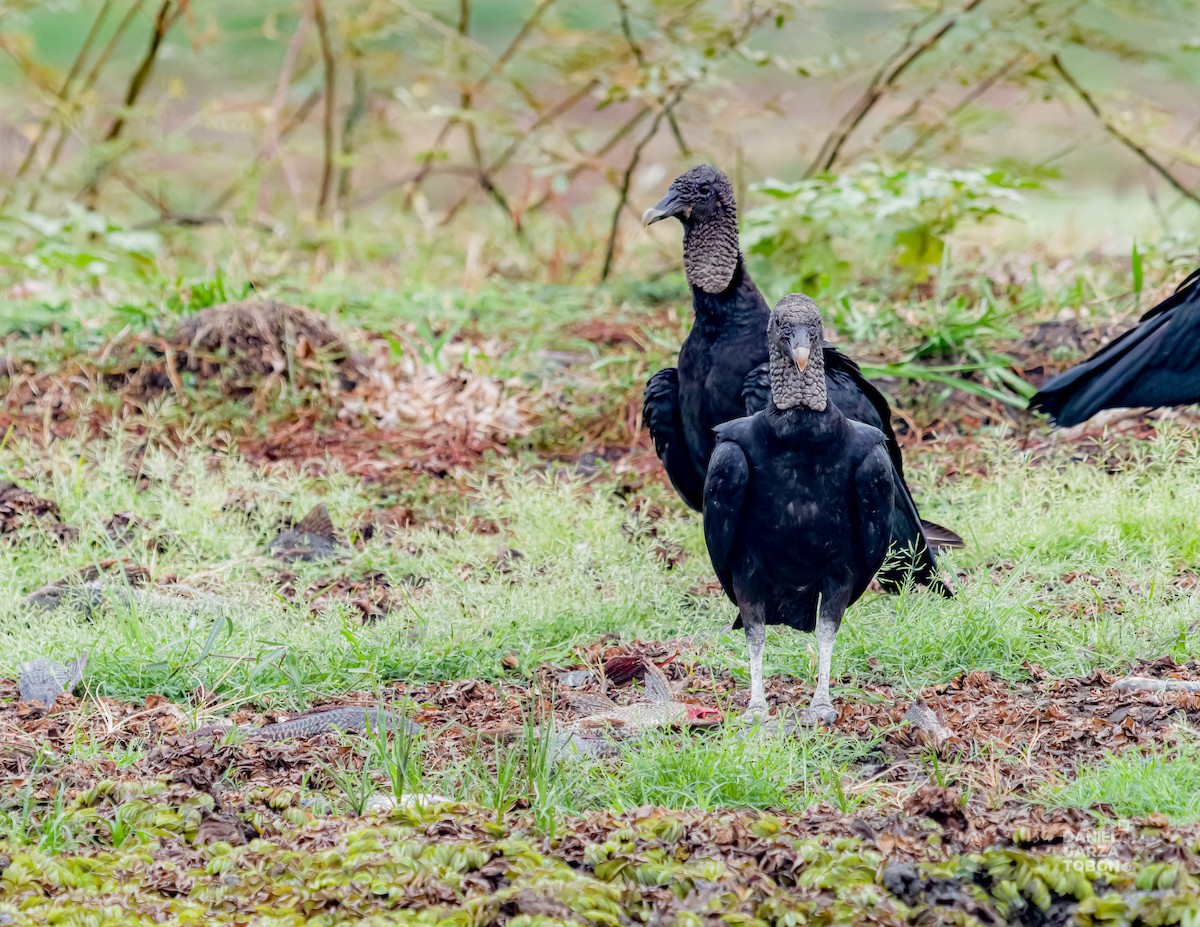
(705, 189)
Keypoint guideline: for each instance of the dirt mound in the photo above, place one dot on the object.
(244, 343)
(245, 348)
(262, 338)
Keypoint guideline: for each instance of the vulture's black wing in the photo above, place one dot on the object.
(724, 492)
(1156, 363)
(660, 407)
(911, 557)
(859, 400)
(873, 495)
(756, 388)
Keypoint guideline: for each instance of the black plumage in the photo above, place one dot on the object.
(722, 369)
(1156, 363)
(799, 502)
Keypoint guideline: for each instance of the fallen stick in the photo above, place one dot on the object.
(1149, 684)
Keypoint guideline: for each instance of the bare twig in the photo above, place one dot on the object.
(62, 106)
(885, 78)
(457, 170)
(627, 177)
(1120, 136)
(639, 55)
(466, 99)
(168, 14)
(271, 144)
(591, 160)
(664, 111)
(549, 115)
(89, 81)
(974, 94)
(354, 115)
(627, 28)
(317, 9)
(494, 69)
(270, 148)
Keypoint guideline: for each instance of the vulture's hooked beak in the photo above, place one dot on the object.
(670, 205)
(797, 348)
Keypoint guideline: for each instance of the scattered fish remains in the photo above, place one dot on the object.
(605, 723)
(42, 681)
(353, 719)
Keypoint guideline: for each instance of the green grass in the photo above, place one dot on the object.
(730, 769)
(1136, 785)
(588, 569)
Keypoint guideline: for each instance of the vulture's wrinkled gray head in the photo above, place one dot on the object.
(702, 199)
(795, 339)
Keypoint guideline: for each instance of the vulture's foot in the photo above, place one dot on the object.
(818, 713)
(755, 717)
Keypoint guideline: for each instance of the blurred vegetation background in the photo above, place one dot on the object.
(450, 141)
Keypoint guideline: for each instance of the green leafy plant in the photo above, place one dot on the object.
(825, 231)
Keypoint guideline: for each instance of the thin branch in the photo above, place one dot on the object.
(354, 114)
(457, 170)
(168, 14)
(885, 78)
(494, 69)
(155, 202)
(283, 83)
(63, 100)
(549, 115)
(563, 106)
(627, 178)
(590, 160)
(640, 57)
(664, 112)
(975, 93)
(466, 99)
(627, 29)
(1120, 136)
(89, 81)
(269, 149)
(327, 128)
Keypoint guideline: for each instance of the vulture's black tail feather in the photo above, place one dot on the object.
(1156, 363)
(941, 538)
(911, 558)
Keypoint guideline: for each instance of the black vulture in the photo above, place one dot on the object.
(722, 370)
(798, 504)
(1156, 363)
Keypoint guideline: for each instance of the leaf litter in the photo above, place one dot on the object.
(224, 826)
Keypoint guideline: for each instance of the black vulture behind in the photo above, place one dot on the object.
(1156, 363)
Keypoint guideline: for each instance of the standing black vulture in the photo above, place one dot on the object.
(722, 372)
(798, 504)
(1156, 363)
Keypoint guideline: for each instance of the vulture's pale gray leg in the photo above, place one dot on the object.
(821, 709)
(756, 639)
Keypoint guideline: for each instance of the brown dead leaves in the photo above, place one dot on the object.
(370, 595)
(23, 513)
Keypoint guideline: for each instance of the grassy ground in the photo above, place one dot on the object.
(505, 525)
